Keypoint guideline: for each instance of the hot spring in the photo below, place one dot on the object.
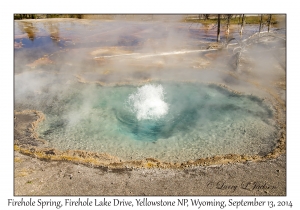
(170, 121)
(142, 89)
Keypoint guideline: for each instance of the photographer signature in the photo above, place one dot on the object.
(250, 186)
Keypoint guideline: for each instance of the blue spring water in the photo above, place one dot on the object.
(169, 121)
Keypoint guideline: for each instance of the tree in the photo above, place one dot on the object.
(242, 24)
(228, 17)
(206, 16)
(219, 24)
(260, 24)
(269, 22)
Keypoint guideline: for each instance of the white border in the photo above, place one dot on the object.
(8, 8)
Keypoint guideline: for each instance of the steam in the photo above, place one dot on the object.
(130, 52)
(80, 73)
(148, 102)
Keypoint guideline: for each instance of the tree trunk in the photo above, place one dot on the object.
(243, 23)
(260, 24)
(228, 24)
(219, 23)
(269, 22)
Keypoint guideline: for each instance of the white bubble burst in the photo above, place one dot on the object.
(148, 102)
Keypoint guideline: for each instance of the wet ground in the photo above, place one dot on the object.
(57, 178)
(75, 45)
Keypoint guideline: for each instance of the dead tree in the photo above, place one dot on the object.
(269, 22)
(260, 23)
(242, 24)
(219, 24)
(206, 16)
(228, 17)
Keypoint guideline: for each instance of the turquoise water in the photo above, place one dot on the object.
(168, 121)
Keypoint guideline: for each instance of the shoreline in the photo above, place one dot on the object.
(61, 178)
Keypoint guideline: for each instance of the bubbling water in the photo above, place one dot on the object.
(148, 102)
(168, 121)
